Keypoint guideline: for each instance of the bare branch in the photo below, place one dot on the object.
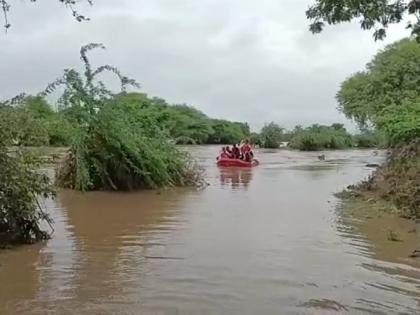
(70, 4)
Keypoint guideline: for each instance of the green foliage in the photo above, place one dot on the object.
(185, 124)
(255, 139)
(271, 135)
(60, 131)
(318, 137)
(226, 132)
(22, 127)
(120, 143)
(401, 123)
(387, 94)
(31, 121)
(20, 186)
(370, 139)
(124, 151)
(373, 14)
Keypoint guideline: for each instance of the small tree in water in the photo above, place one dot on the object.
(116, 147)
(21, 184)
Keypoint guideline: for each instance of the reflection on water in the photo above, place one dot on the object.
(235, 177)
(257, 241)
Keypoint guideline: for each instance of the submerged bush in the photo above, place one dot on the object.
(123, 150)
(271, 136)
(20, 186)
(118, 144)
(318, 137)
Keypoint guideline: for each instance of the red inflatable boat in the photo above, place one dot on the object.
(226, 162)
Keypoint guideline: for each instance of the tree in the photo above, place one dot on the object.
(20, 186)
(5, 6)
(117, 146)
(271, 135)
(373, 14)
(319, 137)
(387, 93)
(226, 132)
(20, 182)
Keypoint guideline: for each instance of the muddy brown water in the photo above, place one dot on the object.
(267, 240)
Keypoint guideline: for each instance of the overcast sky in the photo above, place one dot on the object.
(242, 60)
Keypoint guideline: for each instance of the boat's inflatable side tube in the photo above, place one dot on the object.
(236, 163)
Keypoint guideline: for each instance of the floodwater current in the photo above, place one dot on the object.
(267, 240)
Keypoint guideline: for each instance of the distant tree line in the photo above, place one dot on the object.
(34, 121)
(317, 137)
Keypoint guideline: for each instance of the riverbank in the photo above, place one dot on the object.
(392, 237)
(396, 182)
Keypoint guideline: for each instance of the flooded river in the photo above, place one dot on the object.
(268, 240)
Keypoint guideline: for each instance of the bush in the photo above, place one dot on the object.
(370, 139)
(271, 135)
(401, 123)
(226, 132)
(20, 186)
(60, 131)
(318, 137)
(125, 150)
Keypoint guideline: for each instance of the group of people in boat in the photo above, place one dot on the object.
(241, 151)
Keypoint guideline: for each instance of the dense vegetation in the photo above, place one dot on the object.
(20, 186)
(36, 123)
(118, 143)
(21, 182)
(185, 124)
(387, 96)
(271, 136)
(317, 137)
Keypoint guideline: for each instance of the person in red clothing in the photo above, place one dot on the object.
(224, 154)
(236, 153)
(246, 151)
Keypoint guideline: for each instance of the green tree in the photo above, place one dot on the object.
(370, 139)
(319, 137)
(271, 135)
(20, 186)
(36, 106)
(387, 94)
(373, 14)
(115, 147)
(20, 183)
(226, 132)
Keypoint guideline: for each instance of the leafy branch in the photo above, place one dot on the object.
(373, 14)
(86, 91)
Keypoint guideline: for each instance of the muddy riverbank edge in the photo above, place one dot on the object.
(396, 182)
(390, 198)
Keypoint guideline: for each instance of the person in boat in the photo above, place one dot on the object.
(236, 153)
(229, 151)
(224, 154)
(246, 151)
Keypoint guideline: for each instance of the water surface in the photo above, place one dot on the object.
(267, 240)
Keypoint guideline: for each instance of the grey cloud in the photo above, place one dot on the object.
(237, 59)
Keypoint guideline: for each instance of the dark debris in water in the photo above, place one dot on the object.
(325, 304)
